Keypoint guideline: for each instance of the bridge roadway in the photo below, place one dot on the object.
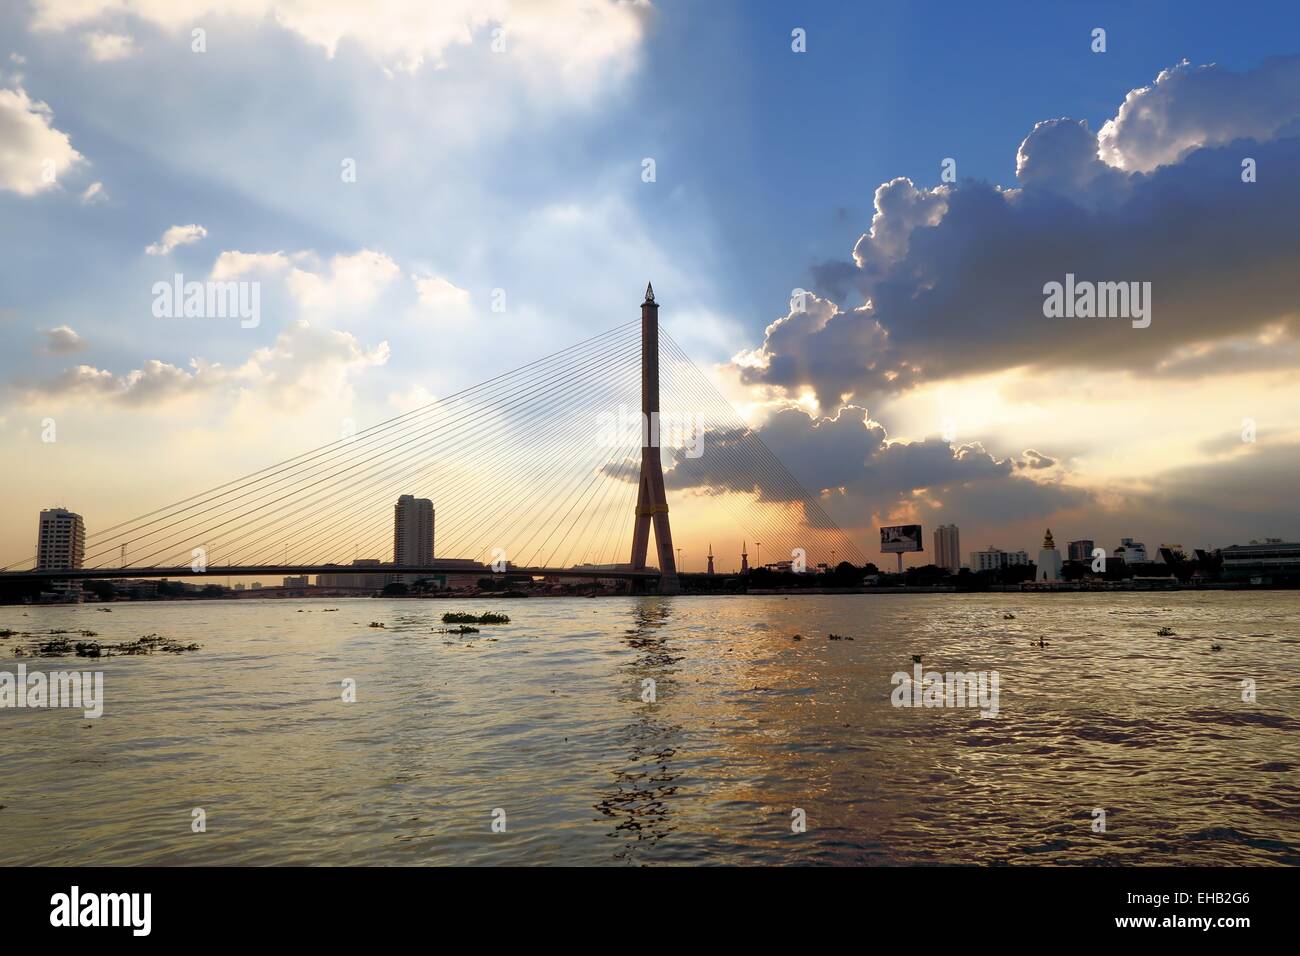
(271, 570)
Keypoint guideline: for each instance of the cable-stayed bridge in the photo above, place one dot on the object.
(563, 467)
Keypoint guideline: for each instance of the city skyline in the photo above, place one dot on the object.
(876, 398)
(414, 537)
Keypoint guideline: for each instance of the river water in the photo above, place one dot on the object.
(542, 727)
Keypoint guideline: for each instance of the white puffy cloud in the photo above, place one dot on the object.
(1189, 107)
(232, 264)
(438, 295)
(105, 47)
(349, 282)
(61, 340)
(569, 35)
(33, 154)
(176, 236)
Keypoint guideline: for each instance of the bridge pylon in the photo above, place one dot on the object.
(651, 501)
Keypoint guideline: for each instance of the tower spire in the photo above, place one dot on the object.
(649, 292)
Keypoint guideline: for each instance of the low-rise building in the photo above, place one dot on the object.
(1270, 561)
(995, 559)
(1131, 552)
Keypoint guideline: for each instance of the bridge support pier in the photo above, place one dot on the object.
(651, 501)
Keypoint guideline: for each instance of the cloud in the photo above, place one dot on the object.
(105, 47)
(568, 35)
(951, 278)
(304, 364)
(1189, 107)
(1035, 461)
(863, 477)
(1233, 499)
(62, 340)
(94, 194)
(347, 281)
(438, 295)
(350, 281)
(232, 264)
(33, 154)
(176, 236)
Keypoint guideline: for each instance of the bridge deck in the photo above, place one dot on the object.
(271, 570)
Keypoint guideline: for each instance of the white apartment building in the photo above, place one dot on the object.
(1131, 551)
(60, 543)
(994, 559)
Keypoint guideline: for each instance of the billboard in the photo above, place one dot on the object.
(900, 538)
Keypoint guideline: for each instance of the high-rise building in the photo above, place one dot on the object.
(413, 530)
(60, 540)
(710, 559)
(1080, 550)
(60, 543)
(1049, 560)
(947, 547)
(744, 558)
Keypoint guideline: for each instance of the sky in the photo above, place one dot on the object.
(429, 194)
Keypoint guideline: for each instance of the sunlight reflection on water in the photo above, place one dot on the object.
(544, 718)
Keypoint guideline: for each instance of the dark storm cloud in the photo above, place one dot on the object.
(953, 277)
(849, 461)
(1234, 499)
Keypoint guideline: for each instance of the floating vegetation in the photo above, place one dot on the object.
(5, 632)
(916, 658)
(463, 629)
(1165, 632)
(838, 637)
(1216, 647)
(797, 637)
(1008, 617)
(149, 644)
(377, 624)
(459, 617)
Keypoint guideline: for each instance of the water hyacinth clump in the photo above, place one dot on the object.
(149, 644)
(490, 617)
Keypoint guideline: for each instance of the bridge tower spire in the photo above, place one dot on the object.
(651, 501)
